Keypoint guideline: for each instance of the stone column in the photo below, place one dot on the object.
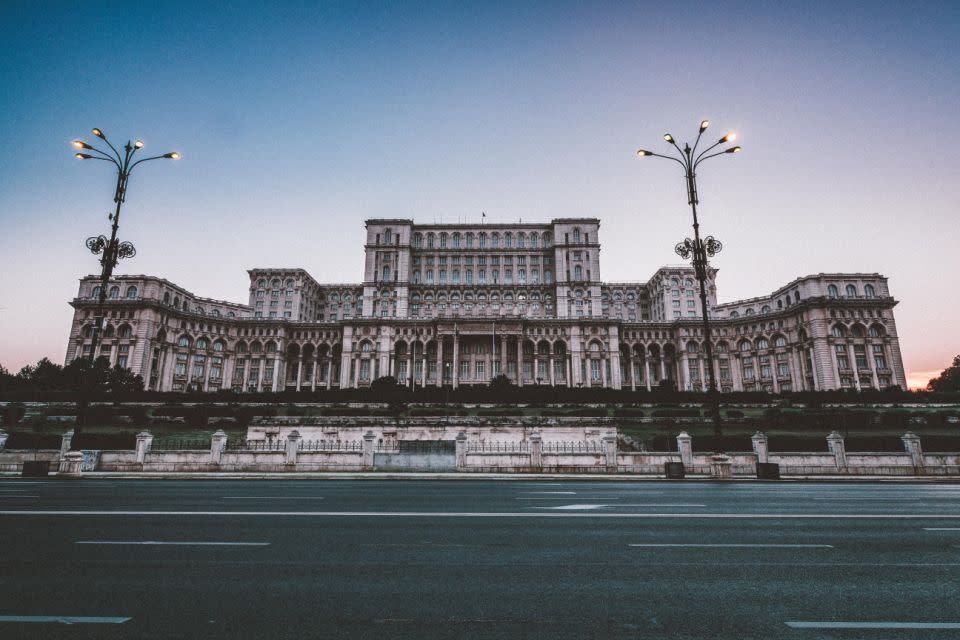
(503, 354)
(813, 372)
(461, 451)
(439, 361)
(260, 364)
(299, 371)
(569, 369)
(313, 372)
(329, 371)
(835, 445)
(550, 365)
(218, 442)
(871, 362)
(633, 371)
(293, 447)
(3, 439)
(852, 355)
(759, 441)
(836, 365)
(65, 441)
(610, 451)
(423, 370)
(646, 371)
(520, 361)
(685, 447)
(368, 439)
(144, 442)
(663, 367)
(603, 371)
(536, 452)
(911, 444)
(456, 359)
(683, 380)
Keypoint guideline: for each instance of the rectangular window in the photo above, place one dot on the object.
(198, 362)
(559, 371)
(879, 358)
(676, 304)
(216, 368)
(443, 276)
(725, 370)
(465, 370)
(860, 354)
(594, 371)
(481, 370)
(364, 369)
(842, 361)
(181, 366)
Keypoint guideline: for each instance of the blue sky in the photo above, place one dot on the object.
(298, 121)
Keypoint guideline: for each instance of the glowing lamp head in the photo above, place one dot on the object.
(81, 156)
(703, 125)
(173, 155)
(668, 138)
(643, 152)
(734, 149)
(138, 144)
(79, 144)
(729, 137)
(98, 133)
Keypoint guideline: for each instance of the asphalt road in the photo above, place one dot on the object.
(477, 559)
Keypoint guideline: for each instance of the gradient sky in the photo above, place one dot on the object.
(297, 122)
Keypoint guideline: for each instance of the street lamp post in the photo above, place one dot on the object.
(111, 250)
(700, 248)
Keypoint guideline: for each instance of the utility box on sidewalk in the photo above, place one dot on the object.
(673, 470)
(768, 471)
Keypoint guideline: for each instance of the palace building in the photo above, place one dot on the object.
(457, 304)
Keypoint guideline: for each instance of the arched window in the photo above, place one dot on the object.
(96, 292)
(763, 343)
(495, 240)
(365, 347)
(262, 283)
(443, 240)
(876, 331)
(456, 240)
(201, 343)
(521, 241)
(869, 291)
(483, 241)
(131, 292)
(832, 291)
(176, 301)
(508, 239)
(114, 292)
(417, 240)
(780, 341)
(533, 239)
(184, 341)
(745, 345)
(469, 241)
(765, 309)
(851, 291)
(430, 240)
(734, 314)
(124, 331)
(857, 331)
(218, 345)
(838, 331)
(692, 347)
(748, 312)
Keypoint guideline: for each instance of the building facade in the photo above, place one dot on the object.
(456, 304)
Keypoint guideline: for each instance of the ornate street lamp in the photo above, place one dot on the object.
(111, 250)
(700, 249)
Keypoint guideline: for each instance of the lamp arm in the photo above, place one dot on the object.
(712, 155)
(657, 155)
(144, 160)
(706, 151)
(117, 153)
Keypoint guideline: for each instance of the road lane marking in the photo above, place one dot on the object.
(272, 498)
(175, 543)
(489, 514)
(568, 493)
(734, 545)
(581, 498)
(941, 528)
(17, 497)
(67, 619)
(803, 624)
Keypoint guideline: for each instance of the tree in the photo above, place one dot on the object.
(948, 380)
(500, 381)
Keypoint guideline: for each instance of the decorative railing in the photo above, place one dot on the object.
(579, 446)
(498, 447)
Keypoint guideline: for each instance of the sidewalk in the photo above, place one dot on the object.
(517, 477)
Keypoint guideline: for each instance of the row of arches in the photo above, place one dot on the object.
(458, 240)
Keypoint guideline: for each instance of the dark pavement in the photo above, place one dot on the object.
(478, 559)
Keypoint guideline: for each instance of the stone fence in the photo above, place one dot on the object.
(531, 455)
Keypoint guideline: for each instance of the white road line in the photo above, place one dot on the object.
(735, 546)
(16, 497)
(175, 543)
(491, 514)
(66, 619)
(272, 498)
(941, 528)
(568, 493)
(795, 624)
(580, 498)
(585, 507)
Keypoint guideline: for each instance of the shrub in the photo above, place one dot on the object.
(734, 413)
(676, 413)
(628, 413)
(13, 413)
